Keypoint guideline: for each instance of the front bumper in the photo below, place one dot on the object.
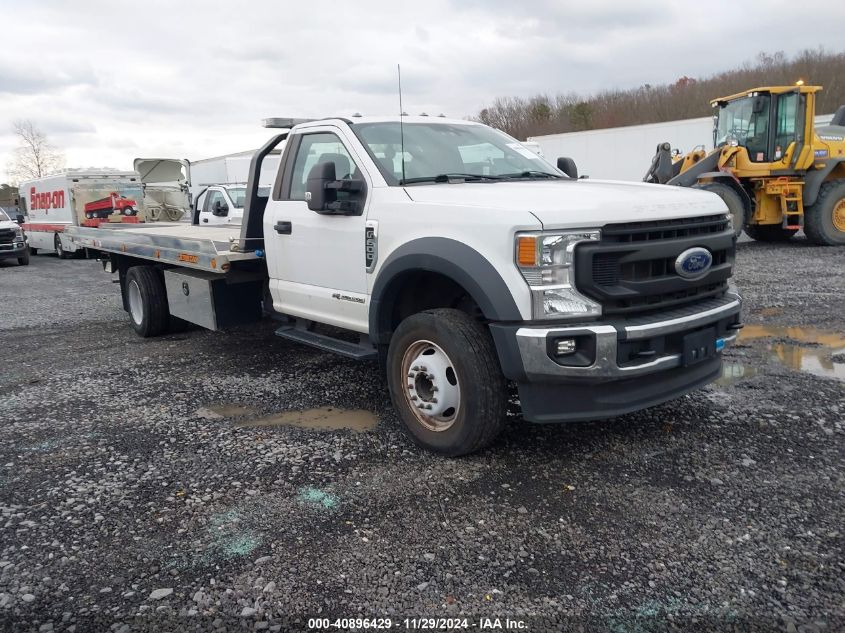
(631, 363)
(13, 250)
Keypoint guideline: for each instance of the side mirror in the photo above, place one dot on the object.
(758, 105)
(220, 208)
(322, 187)
(20, 219)
(567, 166)
(317, 195)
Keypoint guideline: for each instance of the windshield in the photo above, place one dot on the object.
(434, 152)
(238, 195)
(4, 217)
(737, 121)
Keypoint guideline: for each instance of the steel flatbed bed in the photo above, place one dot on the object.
(209, 248)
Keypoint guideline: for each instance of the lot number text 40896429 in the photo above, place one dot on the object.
(417, 624)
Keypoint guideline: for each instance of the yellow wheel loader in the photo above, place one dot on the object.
(775, 172)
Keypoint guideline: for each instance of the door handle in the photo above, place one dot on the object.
(283, 228)
(205, 219)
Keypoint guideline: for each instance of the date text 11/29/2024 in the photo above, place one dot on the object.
(416, 624)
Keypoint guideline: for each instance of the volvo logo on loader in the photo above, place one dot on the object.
(693, 263)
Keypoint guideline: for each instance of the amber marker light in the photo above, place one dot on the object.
(526, 251)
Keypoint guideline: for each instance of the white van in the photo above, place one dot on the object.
(77, 197)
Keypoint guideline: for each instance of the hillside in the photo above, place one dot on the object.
(685, 98)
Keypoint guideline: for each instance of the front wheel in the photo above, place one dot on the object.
(24, 260)
(60, 249)
(824, 222)
(445, 382)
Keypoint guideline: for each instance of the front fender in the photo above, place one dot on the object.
(450, 258)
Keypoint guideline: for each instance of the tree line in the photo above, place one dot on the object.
(685, 98)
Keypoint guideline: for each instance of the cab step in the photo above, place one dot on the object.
(301, 334)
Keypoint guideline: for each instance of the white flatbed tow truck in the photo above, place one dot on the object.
(460, 260)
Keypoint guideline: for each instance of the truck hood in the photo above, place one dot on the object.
(575, 203)
(5, 224)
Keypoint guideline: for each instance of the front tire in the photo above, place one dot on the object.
(24, 261)
(146, 300)
(60, 249)
(445, 382)
(769, 232)
(824, 222)
(732, 200)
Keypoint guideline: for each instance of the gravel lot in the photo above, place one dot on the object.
(134, 497)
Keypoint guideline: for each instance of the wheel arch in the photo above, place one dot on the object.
(729, 180)
(814, 179)
(443, 259)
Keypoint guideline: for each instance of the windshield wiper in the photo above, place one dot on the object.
(531, 174)
(450, 176)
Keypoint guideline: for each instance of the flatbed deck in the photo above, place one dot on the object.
(209, 248)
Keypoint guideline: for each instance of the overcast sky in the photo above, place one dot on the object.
(109, 81)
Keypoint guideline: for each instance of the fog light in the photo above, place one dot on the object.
(565, 346)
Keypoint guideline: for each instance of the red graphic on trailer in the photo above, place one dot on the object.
(114, 203)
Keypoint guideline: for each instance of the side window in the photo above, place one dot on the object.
(787, 115)
(211, 198)
(316, 148)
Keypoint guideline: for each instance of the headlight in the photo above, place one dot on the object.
(545, 261)
(18, 232)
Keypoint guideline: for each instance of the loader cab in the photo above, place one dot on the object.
(766, 122)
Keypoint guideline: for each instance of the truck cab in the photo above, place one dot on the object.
(220, 204)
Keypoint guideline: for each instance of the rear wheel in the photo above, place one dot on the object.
(146, 300)
(445, 382)
(731, 199)
(60, 249)
(824, 222)
(769, 232)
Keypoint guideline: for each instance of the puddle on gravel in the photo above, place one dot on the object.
(325, 418)
(816, 352)
(734, 372)
(225, 411)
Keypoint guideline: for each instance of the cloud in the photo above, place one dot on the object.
(22, 78)
(193, 78)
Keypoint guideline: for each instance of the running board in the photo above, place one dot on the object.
(359, 351)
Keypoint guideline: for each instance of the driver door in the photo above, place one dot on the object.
(316, 260)
(215, 208)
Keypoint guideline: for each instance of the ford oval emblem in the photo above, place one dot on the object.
(693, 263)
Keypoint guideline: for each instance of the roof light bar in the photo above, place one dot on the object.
(283, 122)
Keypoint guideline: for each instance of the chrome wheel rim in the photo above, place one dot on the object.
(431, 385)
(136, 308)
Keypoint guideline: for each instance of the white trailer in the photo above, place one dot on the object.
(77, 197)
(624, 153)
(230, 169)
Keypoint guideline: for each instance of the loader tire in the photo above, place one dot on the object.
(769, 232)
(739, 213)
(446, 383)
(146, 300)
(824, 222)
